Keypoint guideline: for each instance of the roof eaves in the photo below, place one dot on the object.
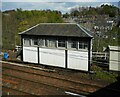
(28, 29)
(117, 48)
(84, 30)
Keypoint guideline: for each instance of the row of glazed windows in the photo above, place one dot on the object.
(56, 43)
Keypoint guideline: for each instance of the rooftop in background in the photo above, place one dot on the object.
(58, 29)
(113, 48)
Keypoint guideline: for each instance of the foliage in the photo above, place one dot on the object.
(104, 75)
(107, 76)
(8, 26)
(66, 15)
(113, 38)
(101, 39)
(96, 68)
(16, 21)
(110, 10)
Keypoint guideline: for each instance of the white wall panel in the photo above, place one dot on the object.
(52, 57)
(114, 65)
(78, 60)
(30, 54)
(114, 55)
(114, 61)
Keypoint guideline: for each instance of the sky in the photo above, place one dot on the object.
(61, 5)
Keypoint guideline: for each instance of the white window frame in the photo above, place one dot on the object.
(26, 40)
(41, 44)
(49, 41)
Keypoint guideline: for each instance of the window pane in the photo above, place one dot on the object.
(34, 42)
(27, 42)
(46, 42)
(72, 44)
(52, 43)
(83, 45)
(86, 46)
(41, 42)
(61, 43)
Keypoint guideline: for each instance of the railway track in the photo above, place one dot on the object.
(67, 86)
(12, 91)
(47, 74)
(53, 77)
(62, 83)
(31, 87)
(51, 84)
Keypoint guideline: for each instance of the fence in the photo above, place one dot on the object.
(100, 55)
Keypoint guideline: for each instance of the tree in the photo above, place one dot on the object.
(16, 21)
(66, 15)
(111, 10)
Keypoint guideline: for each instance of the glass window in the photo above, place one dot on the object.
(83, 45)
(86, 46)
(41, 42)
(35, 42)
(52, 43)
(61, 43)
(27, 42)
(46, 42)
(72, 44)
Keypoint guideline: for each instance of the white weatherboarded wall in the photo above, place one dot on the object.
(52, 57)
(78, 60)
(114, 61)
(30, 54)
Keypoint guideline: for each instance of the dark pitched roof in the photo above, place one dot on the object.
(57, 29)
(88, 31)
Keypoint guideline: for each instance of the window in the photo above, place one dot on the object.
(27, 42)
(83, 45)
(51, 43)
(42, 42)
(72, 44)
(46, 42)
(61, 43)
(35, 42)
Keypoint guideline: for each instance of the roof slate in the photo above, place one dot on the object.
(57, 29)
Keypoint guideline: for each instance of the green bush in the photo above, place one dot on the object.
(104, 75)
(107, 76)
(96, 68)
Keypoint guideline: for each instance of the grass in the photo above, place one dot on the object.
(104, 75)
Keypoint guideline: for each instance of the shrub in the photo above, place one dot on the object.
(96, 68)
